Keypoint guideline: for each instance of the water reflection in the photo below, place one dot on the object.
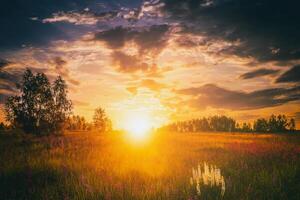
(207, 175)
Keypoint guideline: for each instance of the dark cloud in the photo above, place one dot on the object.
(134, 63)
(59, 63)
(19, 29)
(217, 97)
(148, 39)
(259, 73)
(21, 21)
(62, 70)
(292, 75)
(3, 98)
(128, 63)
(10, 77)
(6, 86)
(152, 38)
(8, 81)
(266, 30)
(4, 63)
(115, 38)
(13, 75)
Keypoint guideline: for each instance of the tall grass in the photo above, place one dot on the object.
(93, 166)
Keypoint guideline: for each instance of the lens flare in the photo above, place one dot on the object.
(138, 127)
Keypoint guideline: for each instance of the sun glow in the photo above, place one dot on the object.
(138, 127)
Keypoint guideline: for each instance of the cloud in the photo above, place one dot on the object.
(150, 84)
(297, 116)
(62, 70)
(148, 39)
(3, 97)
(80, 18)
(217, 97)
(259, 73)
(80, 103)
(265, 30)
(158, 72)
(132, 90)
(4, 63)
(128, 63)
(115, 38)
(10, 77)
(148, 10)
(91, 68)
(8, 81)
(21, 31)
(292, 75)
(154, 38)
(23, 21)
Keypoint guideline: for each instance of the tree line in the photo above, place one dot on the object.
(100, 122)
(42, 108)
(273, 124)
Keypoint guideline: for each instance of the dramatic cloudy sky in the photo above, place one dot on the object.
(168, 59)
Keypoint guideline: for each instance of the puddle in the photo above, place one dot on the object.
(207, 176)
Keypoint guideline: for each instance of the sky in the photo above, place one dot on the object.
(163, 60)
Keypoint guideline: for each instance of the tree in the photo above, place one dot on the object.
(39, 107)
(261, 125)
(62, 106)
(292, 124)
(101, 122)
(227, 124)
(246, 127)
(222, 123)
(2, 126)
(272, 123)
(278, 123)
(76, 123)
(282, 123)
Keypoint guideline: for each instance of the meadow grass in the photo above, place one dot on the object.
(87, 165)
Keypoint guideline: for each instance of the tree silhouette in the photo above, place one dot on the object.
(39, 108)
(246, 127)
(292, 124)
(272, 123)
(275, 123)
(77, 123)
(261, 125)
(101, 122)
(62, 106)
(2, 126)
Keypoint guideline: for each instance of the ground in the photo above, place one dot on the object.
(86, 165)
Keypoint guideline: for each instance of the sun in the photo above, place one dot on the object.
(138, 127)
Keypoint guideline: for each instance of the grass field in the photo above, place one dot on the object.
(167, 166)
